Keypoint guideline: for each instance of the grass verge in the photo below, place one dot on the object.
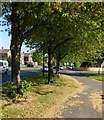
(42, 100)
(28, 68)
(99, 77)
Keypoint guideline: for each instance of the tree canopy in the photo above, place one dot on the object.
(57, 28)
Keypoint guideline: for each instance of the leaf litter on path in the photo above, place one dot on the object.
(96, 101)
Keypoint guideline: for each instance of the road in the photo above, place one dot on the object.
(24, 73)
(84, 108)
(72, 72)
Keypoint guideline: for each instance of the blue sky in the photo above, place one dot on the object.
(5, 40)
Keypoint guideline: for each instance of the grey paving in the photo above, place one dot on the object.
(84, 109)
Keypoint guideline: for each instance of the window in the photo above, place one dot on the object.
(4, 63)
(1, 63)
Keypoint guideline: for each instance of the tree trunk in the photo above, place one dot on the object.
(99, 69)
(50, 73)
(57, 65)
(43, 63)
(15, 47)
(16, 68)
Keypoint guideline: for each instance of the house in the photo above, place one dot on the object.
(26, 58)
(6, 53)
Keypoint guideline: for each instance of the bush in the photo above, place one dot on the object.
(11, 90)
(77, 64)
(25, 86)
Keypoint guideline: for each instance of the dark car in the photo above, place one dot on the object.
(70, 67)
(30, 65)
(60, 67)
(54, 67)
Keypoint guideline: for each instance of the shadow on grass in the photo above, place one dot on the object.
(37, 80)
(39, 86)
(5, 105)
(43, 92)
(11, 102)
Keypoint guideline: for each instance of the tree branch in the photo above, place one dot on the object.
(36, 26)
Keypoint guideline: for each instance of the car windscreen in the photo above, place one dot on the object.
(1, 63)
(46, 66)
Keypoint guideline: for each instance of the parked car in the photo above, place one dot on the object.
(3, 66)
(45, 68)
(61, 67)
(70, 67)
(54, 67)
(30, 65)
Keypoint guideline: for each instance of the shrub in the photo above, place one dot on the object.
(11, 90)
(25, 86)
(77, 64)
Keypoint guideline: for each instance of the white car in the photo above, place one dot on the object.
(3, 66)
(61, 67)
(45, 68)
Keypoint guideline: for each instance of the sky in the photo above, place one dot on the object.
(5, 40)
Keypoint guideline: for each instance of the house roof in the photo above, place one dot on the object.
(4, 50)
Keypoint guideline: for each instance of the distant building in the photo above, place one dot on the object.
(26, 57)
(6, 53)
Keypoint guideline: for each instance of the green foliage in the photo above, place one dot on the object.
(75, 28)
(69, 30)
(25, 85)
(77, 64)
(37, 57)
(10, 90)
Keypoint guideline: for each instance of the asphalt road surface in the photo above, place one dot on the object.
(72, 72)
(24, 73)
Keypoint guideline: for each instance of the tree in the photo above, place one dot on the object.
(24, 18)
(51, 24)
(37, 57)
(68, 31)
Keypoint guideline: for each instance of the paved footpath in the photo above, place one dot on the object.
(83, 107)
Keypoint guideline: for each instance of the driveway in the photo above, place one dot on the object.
(81, 104)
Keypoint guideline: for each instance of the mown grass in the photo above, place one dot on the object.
(42, 100)
(99, 77)
(27, 68)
